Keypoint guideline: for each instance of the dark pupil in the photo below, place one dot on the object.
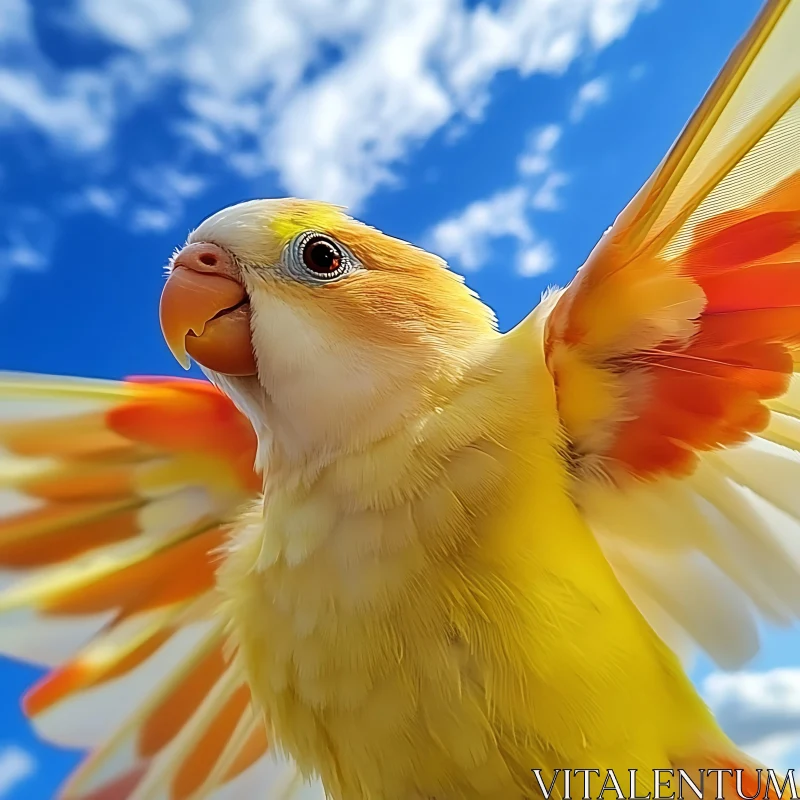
(322, 257)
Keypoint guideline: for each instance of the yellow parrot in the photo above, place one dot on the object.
(466, 564)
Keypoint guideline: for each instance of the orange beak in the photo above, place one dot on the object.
(205, 312)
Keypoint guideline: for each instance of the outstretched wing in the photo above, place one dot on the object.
(114, 499)
(674, 354)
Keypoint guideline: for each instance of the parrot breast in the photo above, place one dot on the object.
(410, 617)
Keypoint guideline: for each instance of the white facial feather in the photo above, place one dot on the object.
(240, 228)
(326, 394)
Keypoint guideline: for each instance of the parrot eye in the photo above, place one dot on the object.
(316, 257)
(322, 256)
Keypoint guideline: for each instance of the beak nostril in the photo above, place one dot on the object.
(206, 257)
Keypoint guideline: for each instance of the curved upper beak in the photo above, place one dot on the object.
(205, 312)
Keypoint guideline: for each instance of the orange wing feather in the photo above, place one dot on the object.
(686, 317)
(114, 501)
(674, 355)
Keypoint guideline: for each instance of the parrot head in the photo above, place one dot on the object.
(313, 321)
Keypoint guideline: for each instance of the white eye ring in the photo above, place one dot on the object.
(317, 258)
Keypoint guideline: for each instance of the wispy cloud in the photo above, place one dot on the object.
(536, 259)
(141, 25)
(26, 241)
(97, 199)
(330, 98)
(74, 109)
(593, 93)
(546, 197)
(330, 95)
(466, 237)
(16, 765)
(153, 200)
(164, 189)
(535, 158)
(760, 711)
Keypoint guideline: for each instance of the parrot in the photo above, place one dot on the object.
(388, 552)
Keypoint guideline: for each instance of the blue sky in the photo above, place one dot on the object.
(504, 135)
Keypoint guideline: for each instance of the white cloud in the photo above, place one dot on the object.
(26, 240)
(138, 24)
(535, 159)
(465, 238)
(75, 113)
(546, 198)
(536, 260)
(760, 711)
(258, 92)
(13, 20)
(145, 220)
(337, 138)
(168, 181)
(166, 188)
(593, 93)
(75, 109)
(332, 95)
(610, 20)
(102, 200)
(98, 199)
(16, 765)
(153, 202)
